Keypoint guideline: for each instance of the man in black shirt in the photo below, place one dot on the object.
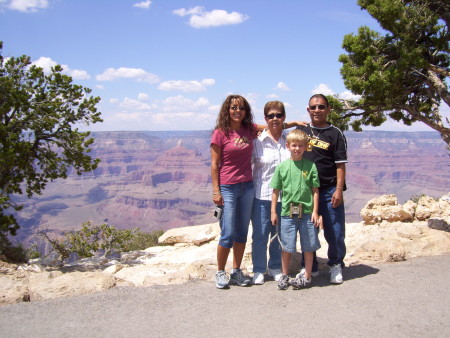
(329, 153)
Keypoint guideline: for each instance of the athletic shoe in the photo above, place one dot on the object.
(302, 273)
(238, 278)
(300, 282)
(221, 280)
(275, 273)
(283, 283)
(336, 274)
(258, 278)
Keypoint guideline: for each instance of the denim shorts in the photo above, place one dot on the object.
(237, 210)
(309, 234)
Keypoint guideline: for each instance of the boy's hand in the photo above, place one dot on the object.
(274, 218)
(317, 220)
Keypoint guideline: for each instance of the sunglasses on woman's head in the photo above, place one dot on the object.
(272, 116)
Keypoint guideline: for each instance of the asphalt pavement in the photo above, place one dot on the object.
(404, 299)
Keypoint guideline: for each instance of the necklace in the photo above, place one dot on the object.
(313, 135)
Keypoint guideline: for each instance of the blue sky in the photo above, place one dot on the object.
(168, 65)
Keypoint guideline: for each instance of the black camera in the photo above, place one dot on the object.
(218, 212)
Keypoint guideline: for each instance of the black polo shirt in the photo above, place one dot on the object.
(329, 147)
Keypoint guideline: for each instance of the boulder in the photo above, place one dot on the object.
(55, 284)
(438, 224)
(426, 207)
(196, 235)
(390, 242)
(12, 290)
(386, 208)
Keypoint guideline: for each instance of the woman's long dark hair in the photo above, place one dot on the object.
(223, 120)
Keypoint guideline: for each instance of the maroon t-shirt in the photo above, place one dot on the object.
(236, 155)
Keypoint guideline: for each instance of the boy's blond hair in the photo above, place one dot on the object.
(297, 135)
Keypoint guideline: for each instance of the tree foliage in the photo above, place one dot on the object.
(402, 74)
(39, 140)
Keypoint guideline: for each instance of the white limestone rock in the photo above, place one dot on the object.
(56, 284)
(196, 235)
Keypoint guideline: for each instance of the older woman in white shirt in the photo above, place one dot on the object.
(269, 150)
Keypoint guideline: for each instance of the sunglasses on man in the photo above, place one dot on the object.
(318, 106)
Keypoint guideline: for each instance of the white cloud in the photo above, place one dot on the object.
(143, 4)
(127, 117)
(282, 86)
(142, 97)
(192, 11)
(181, 103)
(326, 90)
(137, 74)
(322, 89)
(26, 6)
(272, 96)
(199, 18)
(190, 120)
(47, 63)
(186, 86)
(131, 104)
(348, 95)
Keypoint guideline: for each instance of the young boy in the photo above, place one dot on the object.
(298, 180)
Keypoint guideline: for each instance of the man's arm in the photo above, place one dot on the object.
(337, 198)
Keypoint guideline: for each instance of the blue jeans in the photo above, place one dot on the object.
(237, 209)
(333, 228)
(263, 230)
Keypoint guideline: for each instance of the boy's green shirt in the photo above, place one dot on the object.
(296, 179)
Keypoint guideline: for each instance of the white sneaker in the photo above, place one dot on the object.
(258, 278)
(336, 274)
(303, 271)
(276, 274)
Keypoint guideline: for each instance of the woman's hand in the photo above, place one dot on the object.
(217, 199)
(274, 218)
(292, 124)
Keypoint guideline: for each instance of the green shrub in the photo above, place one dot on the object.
(144, 240)
(11, 253)
(33, 252)
(93, 238)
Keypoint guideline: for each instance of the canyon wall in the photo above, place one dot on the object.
(161, 180)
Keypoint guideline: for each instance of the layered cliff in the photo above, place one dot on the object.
(161, 180)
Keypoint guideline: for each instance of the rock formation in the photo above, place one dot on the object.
(190, 253)
(386, 208)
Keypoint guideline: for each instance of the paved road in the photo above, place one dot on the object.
(407, 299)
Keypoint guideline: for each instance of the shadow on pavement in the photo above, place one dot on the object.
(349, 273)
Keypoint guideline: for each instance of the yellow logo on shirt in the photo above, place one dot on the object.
(313, 142)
